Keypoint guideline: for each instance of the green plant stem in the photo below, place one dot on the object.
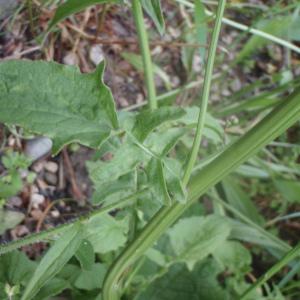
(274, 124)
(292, 254)
(205, 92)
(44, 235)
(145, 50)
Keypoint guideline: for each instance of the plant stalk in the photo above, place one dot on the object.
(273, 125)
(205, 92)
(145, 51)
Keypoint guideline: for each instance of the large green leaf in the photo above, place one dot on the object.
(54, 260)
(107, 233)
(195, 238)
(73, 6)
(180, 284)
(57, 101)
(153, 9)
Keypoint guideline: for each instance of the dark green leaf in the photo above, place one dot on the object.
(85, 254)
(153, 9)
(54, 260)
(73, 6)
(16, 268)
(57, 101)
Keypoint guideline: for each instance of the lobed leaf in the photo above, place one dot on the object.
(58, 101)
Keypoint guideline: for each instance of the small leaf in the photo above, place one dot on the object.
(11, 188)
(234, 256)
(195, 238)
(16, 268)
(137, 62)
(289, 189)
(153, 9)
(200, 22)
(157, 181)
(148, 120)
(124, 160)
(92, 279)
(86, 256)
(163, 141)
(57, 101)
(54, 260)
(176, 189)
(9, 219)
(54, 287)
(106, 233)
(240, 200)
(73, 6)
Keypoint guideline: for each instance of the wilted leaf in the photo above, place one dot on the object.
(57, 101)
(195, 238)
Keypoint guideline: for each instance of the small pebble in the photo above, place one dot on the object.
(96, 54)
(38, 147)
(37, 199)
(15, 201)
(36, 214)
(55, 213)
(51, 166)
(50, 178)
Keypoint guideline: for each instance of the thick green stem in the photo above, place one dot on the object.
(205, 92)
(45, 235)
(291, 255)
(145, 50)
(279, 120)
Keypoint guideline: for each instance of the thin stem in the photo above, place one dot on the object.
(205, 92)
(280, 119)
(145, 50)
(45, 235)
(292, 254)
